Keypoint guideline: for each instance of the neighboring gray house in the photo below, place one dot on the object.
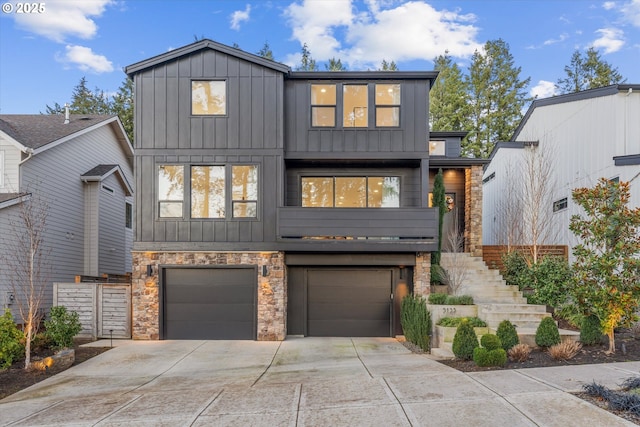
(585, 136)
(272, 202)
(82, 169)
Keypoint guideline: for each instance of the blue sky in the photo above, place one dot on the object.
(44, 55)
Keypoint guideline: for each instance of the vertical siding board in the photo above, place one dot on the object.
(209, 64)
(326, 142)
(147, 110)
(219, 231)
(233, 231)
(147, 199)
(244, 118)
(231, 139)
(197, 133)
(244, 231)
(184, 107)
(361, 140)
(160, 111)
(257, 136)
(197, 65)
(172, 107)
(207, 231)
(196, 231)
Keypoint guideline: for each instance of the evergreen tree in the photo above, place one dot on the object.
(497, 97)
(122, 105)
(335, 65)
(588, 71)
(438, 201)
(307, 63)
(266, 52)
(388, 66)
(449, 97)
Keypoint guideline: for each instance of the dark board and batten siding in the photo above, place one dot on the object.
(250, 132)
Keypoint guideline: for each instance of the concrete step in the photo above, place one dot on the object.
(528, 335)
(502, 308)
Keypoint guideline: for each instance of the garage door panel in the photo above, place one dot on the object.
(349, 328)
(209, 303)
(346, 310)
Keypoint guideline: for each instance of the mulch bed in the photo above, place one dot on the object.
(16, 378)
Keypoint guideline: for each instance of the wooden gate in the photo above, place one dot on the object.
(104, 308)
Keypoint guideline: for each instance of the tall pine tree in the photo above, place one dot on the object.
(307, 63)
(497, 98)
(588, 71)
(449, 108)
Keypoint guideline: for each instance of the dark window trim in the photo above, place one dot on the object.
(226, 97)
(128, 215)
(489, 178)
(376, 106)
(185, 171)
(560, 205)
(334, 106)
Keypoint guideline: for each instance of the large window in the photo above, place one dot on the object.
(387, 105)
(323, 105)
(245, 191)
(351, 192)
(170, 191)
(208, 97)
(355, 102)
(207, 192)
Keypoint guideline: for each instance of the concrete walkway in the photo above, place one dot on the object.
(303, 382)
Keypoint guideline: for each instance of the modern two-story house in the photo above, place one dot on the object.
(272, 202)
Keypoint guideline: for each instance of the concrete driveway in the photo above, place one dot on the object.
(303, 382)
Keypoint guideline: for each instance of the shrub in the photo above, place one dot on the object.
(464, 341)
(438, 299)
(62, 326)
(475, 322)
(508, 335)
(438, 275)
(11, 337)
(40, 341)
(485, 357)
(550, 281)
(519, 352)
(516, 271)
(565, 350)
(547, 333)
(490, 342)
(416, 321)
(459, 300)
(590, 330)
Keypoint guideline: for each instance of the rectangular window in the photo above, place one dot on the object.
(207, 192)
(208, 98)
(559, 205)
(170, 191)
(244, 191)
(437, 148)
(355, 102)
(351, 192)
(128, 215)
(387, 105)
(323, 105)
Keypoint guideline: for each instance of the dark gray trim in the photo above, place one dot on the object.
(406, 259)
(570, 97)
(172, 55)
(510, 144)
(356, 155)
(435, 134)
(632, 159)
(455, 162)
(367, 76)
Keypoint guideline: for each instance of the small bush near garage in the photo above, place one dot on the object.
(547, 333)
(62, 326)
(465, 341)
(485, 357)
(11, 337)
(508, 335)
(416, 321)
(454, 322)
(590, 330)
(437, 299)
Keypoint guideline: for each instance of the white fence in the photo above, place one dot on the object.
(104, 308)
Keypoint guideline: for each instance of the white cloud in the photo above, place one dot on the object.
(611, 40)
(608, 5)
(631, 12)
(384, 30)
(560, 39)
(84, 58)
(543, 89)
(240, 16)
(64, 18)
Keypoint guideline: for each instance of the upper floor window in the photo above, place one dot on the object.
(207, 192)
(208, 97)
(351, 192)
(437, 148)
(323, 105)
(244, 191)
(387, 105)
(170, 191)
(355, 103)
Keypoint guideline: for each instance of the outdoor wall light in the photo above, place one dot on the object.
(149, 270)
(265, 271)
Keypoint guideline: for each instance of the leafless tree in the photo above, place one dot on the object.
(456, 272)
(28, 264)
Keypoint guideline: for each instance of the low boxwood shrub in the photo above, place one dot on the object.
(485, 357)
(459, 300)
(464, 341)
(508, 335)
(547, 333)
(475, 322)
(437, 299)
(490, 342)
(590, 330)
(62, 326)
(11, 337)
(416, 321)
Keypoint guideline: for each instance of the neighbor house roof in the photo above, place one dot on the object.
(10, 199)
(101, 172)
(35, 133)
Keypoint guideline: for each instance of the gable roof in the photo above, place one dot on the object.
(175, 54)
(571, 97)
(10, 199)
(101, 172)
(35, 133)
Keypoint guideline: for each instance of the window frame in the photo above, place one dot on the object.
(366, 115)
(378, 107)
(159, 201)
(560, 204)
(233, 201)
(224, 188)
(226, 97)
(438, 142)
(314, 106)
(128, 215)
(367, 179)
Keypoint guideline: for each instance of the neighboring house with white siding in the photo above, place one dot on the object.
(82, 170)
(587, 135)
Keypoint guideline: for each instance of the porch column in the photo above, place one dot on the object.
(473, 210)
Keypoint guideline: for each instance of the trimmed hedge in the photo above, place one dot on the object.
(485, 357)
(475, 322)
(547, 333)
(465, 341)
(508, 335)
(490, 342)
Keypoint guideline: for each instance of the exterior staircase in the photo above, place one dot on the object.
(495, 299)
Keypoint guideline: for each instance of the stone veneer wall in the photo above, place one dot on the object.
(272, 289)
(422, 274)
(473, 210)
